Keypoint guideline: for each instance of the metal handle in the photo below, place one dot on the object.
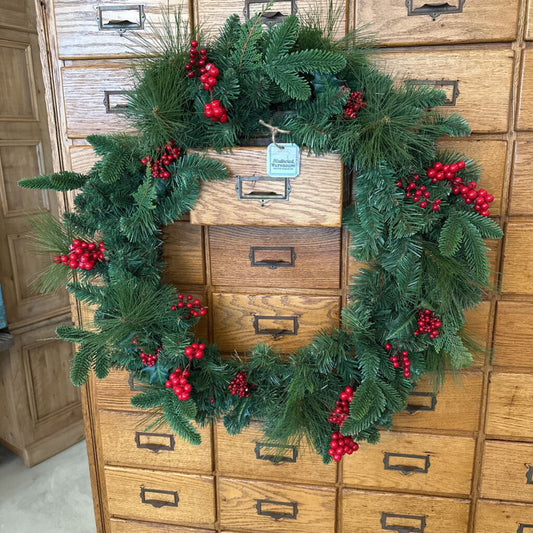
(434, 9)
(525, 528)
(146, 441)
(272, 263)
(403, 523)
(529, 475)
(450, 87)
(276, 333)
(424, 404)
(271, 509)
(115, 102)
(263, 197)
(269, 17)
(120, 24)
(133, 385)
(274, 457)
(171, 499)
(389, 462)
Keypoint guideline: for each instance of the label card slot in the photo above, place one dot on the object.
(433, 9)
(279, 10)
(262, 189)
(155, 442)
(277, 510)
(421, 401)
(159, 498)
(272, 257)
(450, 87)
(276, 453)
(116, 101)
(120, 18)
(286, 325)
(403, 523)
(406, 463)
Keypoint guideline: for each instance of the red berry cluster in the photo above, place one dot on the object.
(216, 112)
(342, 407)
(428, 323)
(193, 306)
(158, 166)
(177, 381)
(440, 172)
(396, 361)
(82, 255)
(149, 359)
(239, 385)
(195, 351)
(209, 77)
(419, 193)
(353, 105)
(196, 65)
(341, 445)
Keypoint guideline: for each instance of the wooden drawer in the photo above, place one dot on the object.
(412, 462)
(371, 512)
(314, 198)
(287, 322)
(519, 203)
(462, 73)
(275, 257)
(513, 334)
(119, 525)
(82, 158)
(416, 22)
(455, 407)
(509, 405)
(115, 391)
(478, 323)
(517, 266)
(498, 517)
(211, 14)
(183, 255)
(491, 156)
(507, 471)
(253, 506)
(247, 455)
(94, 97)
(125, 443)
(156, 496)
(524, 118)
(86, 29)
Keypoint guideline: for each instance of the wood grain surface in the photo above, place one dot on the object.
(119, 525)
(517, 264)
(519, 202)
(524, 120)
(503, 517)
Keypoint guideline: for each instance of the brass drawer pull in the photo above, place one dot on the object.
(433, 9)
(169, 498)
(529, 475)
(146, 441)
(264, 196)
(525, 528)
(274, 457)
(403, 523)
(276, 333)
(263, 508)
(423, 404)
(450, 87)
(270, 17)
(389, 461)
(121, 24)
(115, 101)
(288, 261)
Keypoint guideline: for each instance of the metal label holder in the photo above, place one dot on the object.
(435, 9)
(273, 458)
(412, 408)
(121, 25)
(277, 515)
(263, 197)
(454, 84)
(276, 333)
(419, 528)
(159, 503)
(153, 447)
(406, 469)
(272, 263)
(107, 102)
(269, 17)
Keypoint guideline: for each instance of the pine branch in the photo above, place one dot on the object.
(60, 181)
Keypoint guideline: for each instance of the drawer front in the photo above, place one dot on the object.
(94, 96)
(494, 517)
(413, 462)
(517, 267)
(156, 496)
(252, 506)
(126, 443)
(455, 407)
(461, 73)
(115, 391)
(478, 323)
(507, 471)
(183, 254)
(275, 257)
(509, 405)
(415, 22)
(90, 28)
(119, 525)
(373, 512)
(513, 334)
(519, 203)
(491, 156)
(524, 120)
(212, 14)
(286, 322)
(82, 158)
(247, 455)
(314, 198)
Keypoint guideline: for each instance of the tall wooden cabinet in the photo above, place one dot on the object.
(456, 462)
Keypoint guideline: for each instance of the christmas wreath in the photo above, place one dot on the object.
(417, 221)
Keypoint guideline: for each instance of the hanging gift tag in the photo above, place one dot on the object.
(283, 160)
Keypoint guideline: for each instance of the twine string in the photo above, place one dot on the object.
(274, 130)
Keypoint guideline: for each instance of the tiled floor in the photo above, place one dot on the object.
(52, 497)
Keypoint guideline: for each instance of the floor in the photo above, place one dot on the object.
(52, 497)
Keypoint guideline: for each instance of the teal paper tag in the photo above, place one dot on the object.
(283, 160)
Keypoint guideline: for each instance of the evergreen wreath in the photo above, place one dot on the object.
(417, 220)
